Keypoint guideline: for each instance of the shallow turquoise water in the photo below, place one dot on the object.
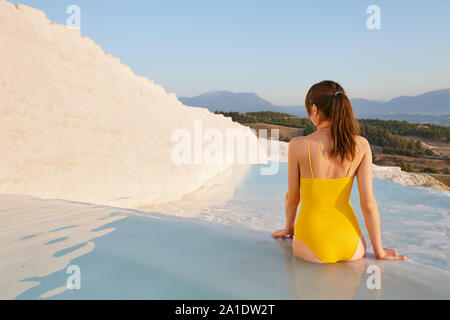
(159, 256)
(175, 258)
(414, 220)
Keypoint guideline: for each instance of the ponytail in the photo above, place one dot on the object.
(331, 99)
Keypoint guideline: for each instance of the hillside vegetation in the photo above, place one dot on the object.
(389, 135)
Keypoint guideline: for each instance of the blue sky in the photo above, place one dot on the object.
(276, 49)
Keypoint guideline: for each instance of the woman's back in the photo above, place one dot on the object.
(327, 224)
(323, 165)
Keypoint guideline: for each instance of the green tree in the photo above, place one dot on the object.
(405, 166)
(431, 170)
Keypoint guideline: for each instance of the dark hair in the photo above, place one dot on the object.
(331, 99)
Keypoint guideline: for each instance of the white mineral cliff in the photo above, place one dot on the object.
(77, 124)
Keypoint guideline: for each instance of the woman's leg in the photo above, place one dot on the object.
(360, 250)
(303, 252)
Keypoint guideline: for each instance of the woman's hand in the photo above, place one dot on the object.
(390, 254)
(284, 233)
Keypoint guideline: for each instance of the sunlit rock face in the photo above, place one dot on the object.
(77, 124)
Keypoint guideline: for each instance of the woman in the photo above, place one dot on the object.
(323, 166)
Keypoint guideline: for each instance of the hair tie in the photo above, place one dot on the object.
(337, 92)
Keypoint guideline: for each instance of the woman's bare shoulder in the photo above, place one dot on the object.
(297, 144)
(363, 143)
(298, 140)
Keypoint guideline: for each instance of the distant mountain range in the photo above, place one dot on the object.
(430, 107)
(238, 102)
(435, 103)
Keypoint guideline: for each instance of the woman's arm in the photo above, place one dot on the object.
(369, 206)
(293, 193)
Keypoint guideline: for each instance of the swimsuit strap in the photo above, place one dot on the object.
(309, 154)
(348, 172)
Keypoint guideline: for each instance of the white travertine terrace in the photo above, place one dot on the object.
(395, 174)
(77, 124)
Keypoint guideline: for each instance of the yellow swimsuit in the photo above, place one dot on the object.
(327, 224)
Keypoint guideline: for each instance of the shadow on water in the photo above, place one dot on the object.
(162, 257)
